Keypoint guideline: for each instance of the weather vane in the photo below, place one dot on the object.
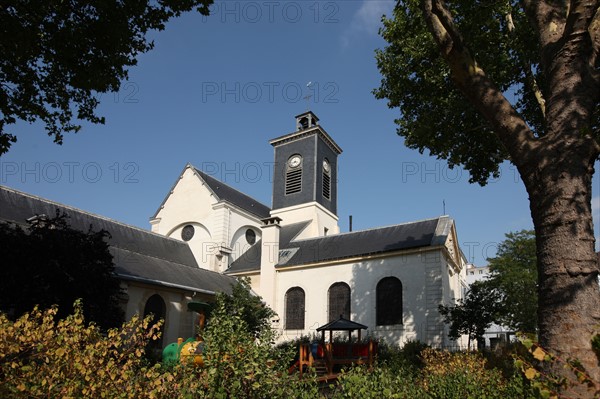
(308, 97)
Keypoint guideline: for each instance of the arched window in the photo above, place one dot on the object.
(293, 175)
(389, 301)
(339, 301)
(155, 305)
(294, 309)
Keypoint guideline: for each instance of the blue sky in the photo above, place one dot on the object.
(215, 89)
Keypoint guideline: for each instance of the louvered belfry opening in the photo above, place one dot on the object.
(293, 180)
(326, 184)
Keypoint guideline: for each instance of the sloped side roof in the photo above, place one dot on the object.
(138, 254)
(362, 243)
(430, 232)
(250, 260)
(235, 197)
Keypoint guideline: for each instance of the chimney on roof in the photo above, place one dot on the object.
(350, 222)
(269, 258)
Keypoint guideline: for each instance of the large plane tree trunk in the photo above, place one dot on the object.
(556, 164)
(559, 183)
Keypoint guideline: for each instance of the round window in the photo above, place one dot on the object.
(250, 236)
(187, 232)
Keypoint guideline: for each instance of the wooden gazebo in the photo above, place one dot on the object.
(341, 324)
(327, 355)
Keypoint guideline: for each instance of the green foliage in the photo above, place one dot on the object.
(408, 357)
(49, 263)
(444, 375)
(41, 357)
(240, 359)
(249, 307)
(57, 55)
(473, 314)
(463, 375)
(381, 382)
(513, 274)
(417, 80)
(508, 297)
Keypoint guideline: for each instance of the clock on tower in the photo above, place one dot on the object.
(305, 166)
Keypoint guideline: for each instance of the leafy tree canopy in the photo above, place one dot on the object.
(248, 306)
(508, 297)
(473, 314)
(49, 263)
(435, 114)
(57, 54)
(513, 273)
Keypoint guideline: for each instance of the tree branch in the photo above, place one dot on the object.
(472, 81)
(529, 75)
(548, 17)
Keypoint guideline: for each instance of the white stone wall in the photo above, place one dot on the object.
(419, 272)
(318, 215)
(179, 322)
(219, 227)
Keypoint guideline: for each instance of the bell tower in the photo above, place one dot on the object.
(305, 175)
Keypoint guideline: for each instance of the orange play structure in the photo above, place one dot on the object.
(325, 356)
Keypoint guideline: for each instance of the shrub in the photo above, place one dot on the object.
(41, 357)
(463, 375)
(381, 382)
(241, 362)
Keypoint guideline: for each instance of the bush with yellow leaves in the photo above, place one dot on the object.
(42, 357)
(461, 375)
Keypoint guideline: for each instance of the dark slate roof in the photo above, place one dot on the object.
(250, 260)
(342, 324)
(235, 197)
(361, 243)
(424, 233)
(139, 255)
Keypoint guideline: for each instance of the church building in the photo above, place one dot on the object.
(391, 279)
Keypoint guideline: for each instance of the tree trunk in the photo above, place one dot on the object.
(559, 187)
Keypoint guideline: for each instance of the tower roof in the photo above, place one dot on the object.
(307, 130)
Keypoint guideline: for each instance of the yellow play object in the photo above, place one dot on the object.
(191, 350)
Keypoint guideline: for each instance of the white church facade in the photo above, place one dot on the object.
(391, 279)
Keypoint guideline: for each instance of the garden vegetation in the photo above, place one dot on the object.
(43, 356)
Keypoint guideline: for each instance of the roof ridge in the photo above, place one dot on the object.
(95, 215)
(369, 229)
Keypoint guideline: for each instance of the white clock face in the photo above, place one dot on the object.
(326, 165)
(295, 161)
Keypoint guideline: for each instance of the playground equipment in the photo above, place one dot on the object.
(326, 357)
(191, 350)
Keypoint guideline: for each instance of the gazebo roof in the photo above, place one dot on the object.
(342, 324)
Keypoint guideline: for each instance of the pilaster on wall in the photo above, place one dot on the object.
(221, 224)
(155, 224)
(433, 296)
